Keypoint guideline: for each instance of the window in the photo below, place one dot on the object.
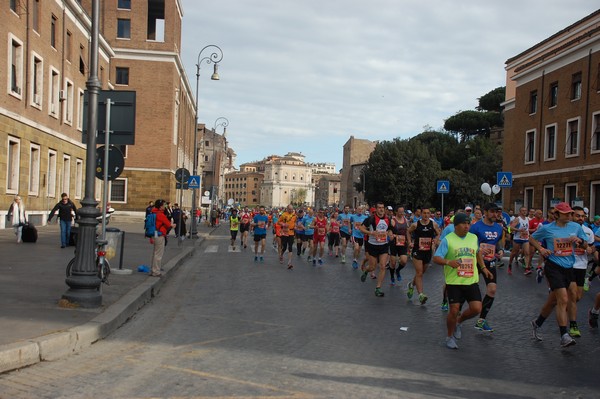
(156, 20)
(34, 169)
(596, 132)
(16, 67)
(122, 77)
(54, 92)
(124, 4)
(68, 99)
(78, 178)
(530, 147)
(533, 102)
(51, 173)
(207, 143)
(13, 5)
(66, 175)
(68, 44)
(36, 15)
(550, 143)
(570, 192)
(576, 86)
(80, 109)
(206, 158)
(123, 28)
(37, 73)
(553, 94)
(548, 196)
(528, 194)
(82, 57)
(572, 146)
(12, 165)
(53, 24)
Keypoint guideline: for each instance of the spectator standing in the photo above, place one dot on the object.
(162, 229)
(16, 215)
(66, 211)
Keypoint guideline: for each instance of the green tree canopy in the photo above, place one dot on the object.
(491, 101)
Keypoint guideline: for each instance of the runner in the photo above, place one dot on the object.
(334, 235)
(399, 245)
(259, 223)
(561, 236)
(357, 236)
(345, 230)
(489, 237)
(307, 237)
(234, 226)
(520, 227)
(459, 254)
(534, 223)
(425, 231)
(319, 227)
(287, 221)
(276, 231)
(299, 231)
(245, 217)
(378, 228)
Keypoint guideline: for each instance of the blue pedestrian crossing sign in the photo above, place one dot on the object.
(194, 182)
(504, 179)
(443, 186)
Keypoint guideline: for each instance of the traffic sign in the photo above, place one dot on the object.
(182, 175)
(443, 186)
(116, 162)
(179, 186)
(194, 182)
(505, 179)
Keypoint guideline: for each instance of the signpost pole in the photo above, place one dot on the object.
(106, 152)
(443, 214)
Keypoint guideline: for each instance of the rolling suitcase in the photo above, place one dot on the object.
(29, 233)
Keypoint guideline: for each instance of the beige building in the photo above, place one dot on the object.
(356, 154)
(552, 120)
(287, 180)
(41, 111)
(243, 188)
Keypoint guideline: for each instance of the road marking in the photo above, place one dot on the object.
(211, 249)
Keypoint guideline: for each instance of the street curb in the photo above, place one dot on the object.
(64, 343)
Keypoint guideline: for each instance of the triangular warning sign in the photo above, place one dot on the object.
(443, 187)
(504, 181)
(193, 182)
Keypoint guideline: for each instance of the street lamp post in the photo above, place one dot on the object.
(214, 58)
(220, 121)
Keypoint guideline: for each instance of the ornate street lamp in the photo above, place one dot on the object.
(220, 121)
(214, 58)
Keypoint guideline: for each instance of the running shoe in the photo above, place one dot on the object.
(373, 276)
(509, 270)
(343, 258)
(422, 298)
(363, 277)
(314, 262)
(378, 292)
(233, 247)
(320, 261)
(527, 271)
(592, 319)
(444, 306)
(574, 332)
(566, 340)
(535, 331)
(330, 253)
(290, 266)
(303, 250)
(256, 259)
(280, 258)
(355, 264)
(309, 258)
(458, 332)
(586, 285)
(451, 343)
(539, 275)
(398, 277)
(262, 260)
(482, 325)
(393, 281)
(410, 290)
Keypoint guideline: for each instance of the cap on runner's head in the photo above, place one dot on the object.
(563, 207)
(461, 218)
(468, 208)
(596, 218)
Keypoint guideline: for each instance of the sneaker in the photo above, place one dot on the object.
(592, 319)
(303, 251)
(422, 298)
(458, 332)
(290, 266)
(574, 332)
(586, 285)
(509, 270)
(355, 264)
(527, 271)
(343, 258)
(567, 340)
(535, 331)
(410, 290)
(539, 275)
(451, 343)
(378, 292)
(373, 276)
(314, 262)
(233, 247)
(330, 253)
(393, 281)
(256, 258)
(482, 325)
(363, 277)
(262, 260)
(309, 258)
(280, 258)
(444, 306)
(320, 261)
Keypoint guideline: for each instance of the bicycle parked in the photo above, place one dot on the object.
(102, 264)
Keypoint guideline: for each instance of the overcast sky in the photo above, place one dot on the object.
(305, 75)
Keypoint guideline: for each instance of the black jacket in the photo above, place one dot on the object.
(64, 211)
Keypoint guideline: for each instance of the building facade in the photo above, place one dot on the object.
(552, 120)
(287, 180)
(356, 155)
(243, 188)
(327, 190)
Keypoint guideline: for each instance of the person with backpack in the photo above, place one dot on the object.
(157, 227)
(66, 211)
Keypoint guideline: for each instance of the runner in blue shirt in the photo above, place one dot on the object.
(309, 232)
(260, 222)
(357, 220)
(345, 229)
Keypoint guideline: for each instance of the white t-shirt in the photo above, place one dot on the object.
(581, 259)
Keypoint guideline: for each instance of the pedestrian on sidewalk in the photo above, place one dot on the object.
(66, 211)
(16, 216)
(159, 240)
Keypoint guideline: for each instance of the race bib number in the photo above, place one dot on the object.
(425, 244)
(285, 229)
(261, 224)
(357, 225)
(401, 241)
(524, 235)
(321, 231)
(487, 251)
(466, 268)
(335, 229)
(563, 247)
(346, 222)
(381, 236)
(234, 225)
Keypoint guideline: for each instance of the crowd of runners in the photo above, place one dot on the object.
(561, 248)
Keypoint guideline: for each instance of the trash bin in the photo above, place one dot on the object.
(113, 242)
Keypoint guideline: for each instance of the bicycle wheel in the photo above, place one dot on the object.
(104, 271)
(70, 267)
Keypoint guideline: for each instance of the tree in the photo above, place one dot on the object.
(491, 101)
(441, 146)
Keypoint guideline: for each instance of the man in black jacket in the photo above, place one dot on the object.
(66, 211)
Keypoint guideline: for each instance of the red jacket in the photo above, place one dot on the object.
(162, 223)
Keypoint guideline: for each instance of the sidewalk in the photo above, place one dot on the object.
(32, 281)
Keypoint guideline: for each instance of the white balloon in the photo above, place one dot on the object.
(486, 189)
(495, 189)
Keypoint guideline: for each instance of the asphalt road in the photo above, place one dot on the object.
(228, 327)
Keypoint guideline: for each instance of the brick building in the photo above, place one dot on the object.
(356, 155)
(552, 119)
(41, 111)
